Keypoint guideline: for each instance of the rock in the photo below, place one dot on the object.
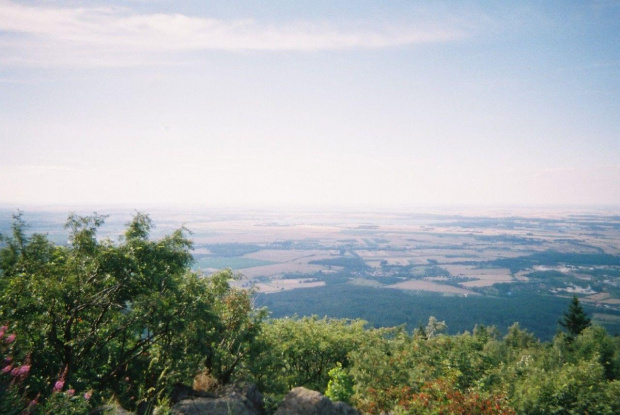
(254, 397)
(302, 401)
(243, 399)
(345, 409)
(217, 406)
(246, 399)
(181, 392)
(110, 409)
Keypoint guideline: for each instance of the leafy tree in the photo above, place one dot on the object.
(569, 389)
(340, 386)
(301, 352)
(128, 319)
(434, 327)
(595, 343)
(518, 338)
(439, 397)
(12, 375)
(381, 368)
(575, 319)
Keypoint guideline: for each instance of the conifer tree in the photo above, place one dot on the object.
(575, 319)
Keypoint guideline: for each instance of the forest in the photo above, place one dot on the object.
(382, 308)
(119, 322)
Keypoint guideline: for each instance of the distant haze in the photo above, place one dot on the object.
(311, 103)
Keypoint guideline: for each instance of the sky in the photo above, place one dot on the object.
(309, 103)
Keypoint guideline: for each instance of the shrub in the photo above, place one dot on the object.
(127, 319)
(340, 386)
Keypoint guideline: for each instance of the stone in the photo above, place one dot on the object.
(218, 406)
(343, 408)
(242, 399)
(181, 392)
(302, 401)
(110, 409)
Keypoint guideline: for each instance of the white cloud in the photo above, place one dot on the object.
(117, 36)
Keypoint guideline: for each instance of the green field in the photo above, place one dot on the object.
(229, 262)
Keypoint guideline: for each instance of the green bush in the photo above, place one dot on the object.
(340, 386)
(301, 352)
(127, 319)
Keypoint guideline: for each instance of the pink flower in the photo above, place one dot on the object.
(2, 331)
(15, 371)
(23, 370)
(58, 385)
(70, 392)
(7, 369)
(34, 402)
(10, 338)
(87, 395)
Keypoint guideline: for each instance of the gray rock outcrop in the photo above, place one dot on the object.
(244, 399)
(302, 401)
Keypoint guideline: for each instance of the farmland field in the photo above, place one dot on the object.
(237, 263)
(418, 285)
(485, 259)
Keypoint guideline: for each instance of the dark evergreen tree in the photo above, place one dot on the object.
(575, 319)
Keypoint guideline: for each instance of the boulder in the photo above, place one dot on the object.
(110, 409)
(302, 401)
(243, 399)
(218, 406)
(181, 392)
(343, 408)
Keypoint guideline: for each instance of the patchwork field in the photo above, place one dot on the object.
(277, 285)
(482, 276)
(493, 254)
(423, 285)
(278, 270)
(557, 253)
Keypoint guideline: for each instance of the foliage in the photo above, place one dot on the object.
(128, 319)
(439, 397)
(575, 319)
(12, 375)
(340, 386)
(65, 403)
(14, 385)
(481, 373)
(569, 389)
(595, 343)
(301, 352)
(478, 372)
(388, 308)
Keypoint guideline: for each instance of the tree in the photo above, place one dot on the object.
(340, 386)
(301, 352)
(128, 318)
(575, 319)
(434, 327)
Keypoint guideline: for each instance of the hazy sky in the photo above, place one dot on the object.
(317, 103)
